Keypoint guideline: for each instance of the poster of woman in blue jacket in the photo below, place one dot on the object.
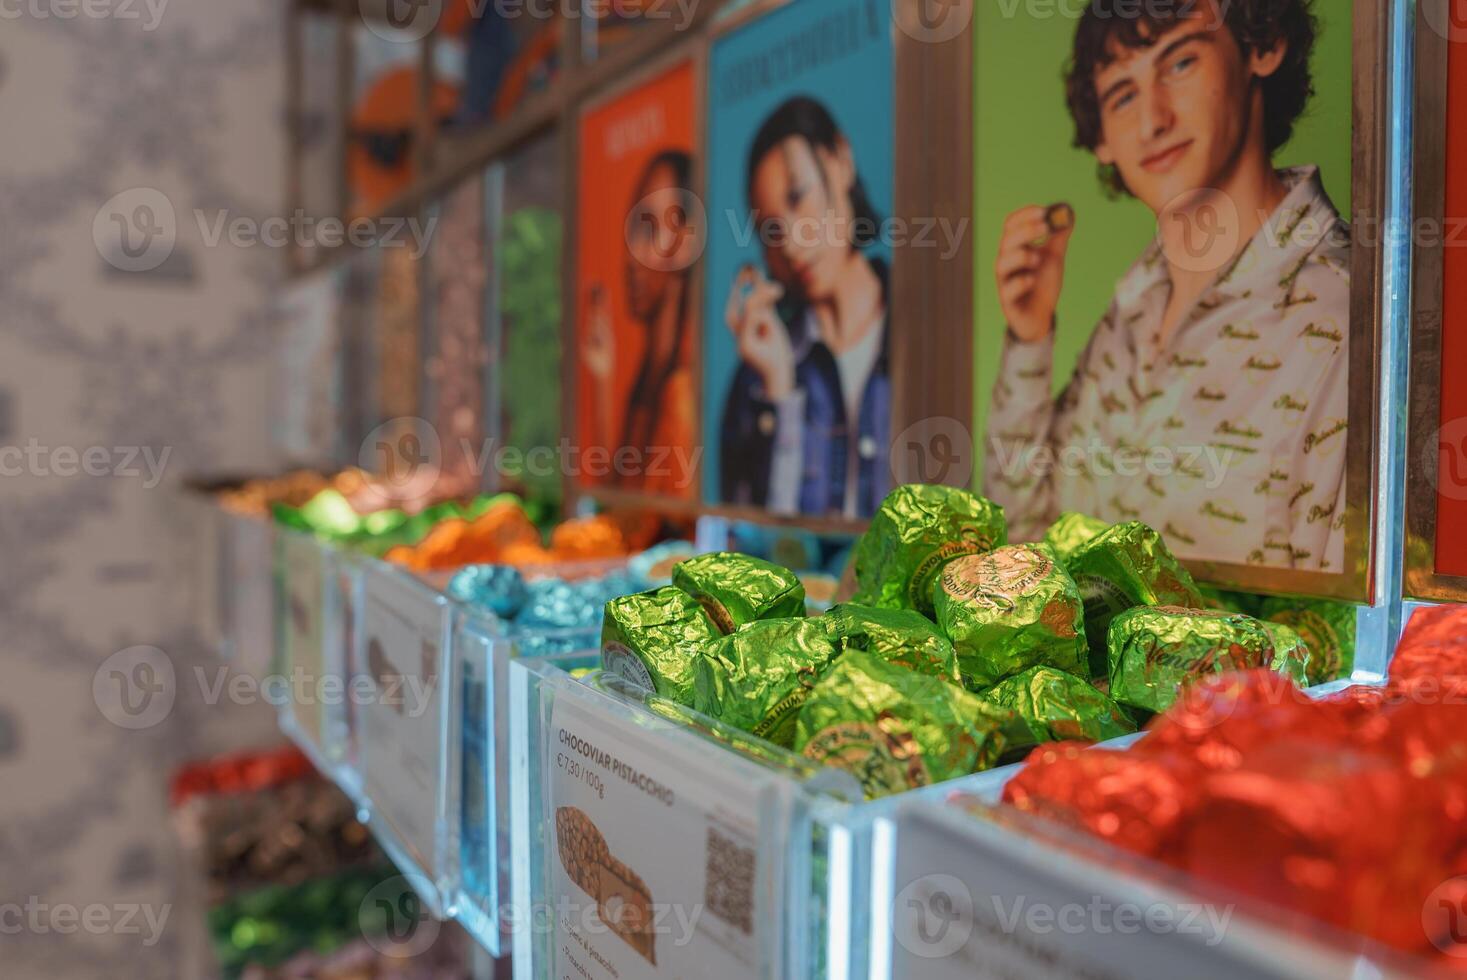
(797, 388)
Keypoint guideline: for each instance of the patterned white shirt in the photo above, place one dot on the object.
(1229, 436)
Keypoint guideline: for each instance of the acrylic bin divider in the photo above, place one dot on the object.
(319, 594)
(478, 805)
(661, 841)
(399, 723)
(345, 610)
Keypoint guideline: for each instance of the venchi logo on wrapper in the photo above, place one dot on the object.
(617, 658)
(996, 579)
(881, 756)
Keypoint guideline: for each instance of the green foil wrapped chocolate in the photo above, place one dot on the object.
(1059, 706)
(736, 589)
(653, 639)
(1288, 645)
(1009, 610)
(1072, 530)
(756, 677)
(919, 529)
(1124, 566)
(900, 636)
(1327, 627)
(895, 729)
(1154, 652)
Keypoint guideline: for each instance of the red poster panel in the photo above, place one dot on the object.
(636, 323)
(1451, 517)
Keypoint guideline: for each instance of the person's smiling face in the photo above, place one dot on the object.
(658, 243)
(1176, 114)
(802, 196)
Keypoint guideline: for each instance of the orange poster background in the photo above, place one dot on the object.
(1451, 514)
(617, 141)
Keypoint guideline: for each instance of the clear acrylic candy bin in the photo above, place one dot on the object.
(819, 896)
(762, 865)
(319, 595)
(478, 805)
(979, 889)
(477, 811)
(401, 651)
(434, 755)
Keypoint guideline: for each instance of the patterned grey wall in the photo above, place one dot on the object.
(182, 100)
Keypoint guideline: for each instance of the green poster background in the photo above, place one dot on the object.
(1022, 155)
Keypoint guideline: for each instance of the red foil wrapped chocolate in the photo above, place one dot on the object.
(1351, 808)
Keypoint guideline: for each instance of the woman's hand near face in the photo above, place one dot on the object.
(762, 338)
(598, 348)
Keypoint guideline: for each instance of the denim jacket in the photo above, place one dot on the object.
(751, 429)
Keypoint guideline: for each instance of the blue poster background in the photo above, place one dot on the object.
(838, 52)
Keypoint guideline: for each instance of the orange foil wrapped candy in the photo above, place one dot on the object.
(1430, 665)
(1131, 802)
(1432, 625)
(1346, 837)
(444, 547)
(1221, 718)
(490, 538)
(588, 538)
(640, 529)
(1351, 809)
(1434, 645)
(500, 527)
(402, 554)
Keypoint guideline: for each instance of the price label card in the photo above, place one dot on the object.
(976, 900)
(657, 848)
(398, 696)
(303, 632)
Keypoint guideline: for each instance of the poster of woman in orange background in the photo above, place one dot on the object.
(636, 328)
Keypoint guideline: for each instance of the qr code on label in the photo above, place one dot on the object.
(729, 892)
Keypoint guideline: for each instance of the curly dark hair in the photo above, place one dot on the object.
(1256, 24)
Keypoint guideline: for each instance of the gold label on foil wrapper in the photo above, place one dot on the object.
(970, 543)
(880, 756)
(1195, 613)
(997, 578)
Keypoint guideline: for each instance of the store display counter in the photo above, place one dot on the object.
(577, 822)
(668, 800)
